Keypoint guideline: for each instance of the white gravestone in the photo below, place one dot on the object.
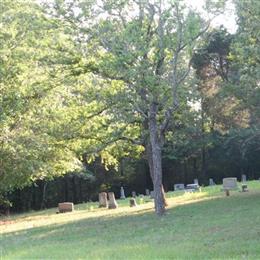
(192, 187)
(122, 193)
(196, 181)
(211, 182)
(179, 186)
(147, 192)
(243, 178)
(230, 184)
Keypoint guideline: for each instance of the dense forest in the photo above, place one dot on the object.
(95, 95)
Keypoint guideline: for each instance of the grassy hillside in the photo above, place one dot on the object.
(202, 225)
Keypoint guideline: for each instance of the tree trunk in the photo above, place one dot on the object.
(151, 170)
(203, 151)
(121, 167)
(203, 164)
(74, 189)
(80, 191)
(66, 189)
(185, 172)
(155, 162)
(195, 167)
(43, 202)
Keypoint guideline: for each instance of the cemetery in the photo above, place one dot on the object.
(129, 129)
(128, 227)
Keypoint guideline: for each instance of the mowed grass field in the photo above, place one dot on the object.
(203, 225)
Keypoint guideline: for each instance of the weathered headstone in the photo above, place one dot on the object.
(147, 192)
(211, 182)
(122, 193)
(229, 183)
(103, 203)
(112, 204)
(133, 194)
(66, 207)
(244, 188)
(192, 187)
(133, 202)
(179, 186)
(152, 194)
(196, 181)
(243, 178)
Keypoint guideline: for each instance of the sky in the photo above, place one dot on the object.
(228, 19)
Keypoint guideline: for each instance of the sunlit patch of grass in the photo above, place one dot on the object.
(201, 225)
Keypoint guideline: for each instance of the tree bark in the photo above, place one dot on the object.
(66, 189)
(195, 167)
(155, 161)
(151, 170)
(74, 189)
(203, 150)
(43, 202)
(185, 171)
(203, 164)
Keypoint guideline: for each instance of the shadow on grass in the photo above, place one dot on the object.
(198, 229)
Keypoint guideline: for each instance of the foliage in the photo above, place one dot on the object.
(27, 151)
(146, 52)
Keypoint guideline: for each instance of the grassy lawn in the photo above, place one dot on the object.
(203, 225)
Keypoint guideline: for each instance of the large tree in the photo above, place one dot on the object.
(246, 53)
(28, 96)
(144, 48)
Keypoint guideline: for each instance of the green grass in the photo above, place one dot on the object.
(204, 225)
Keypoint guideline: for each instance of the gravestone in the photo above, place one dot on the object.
(133, 194)
(147, 192)
(196, 181)
(192, 187)
(102, 197)
(243, 178)
(211, 182)
(112, 204)
(122, 193)
(152, 194)
(229, 183)
(179, 186)
(132, 202)
(244, 188)
(66, 207)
